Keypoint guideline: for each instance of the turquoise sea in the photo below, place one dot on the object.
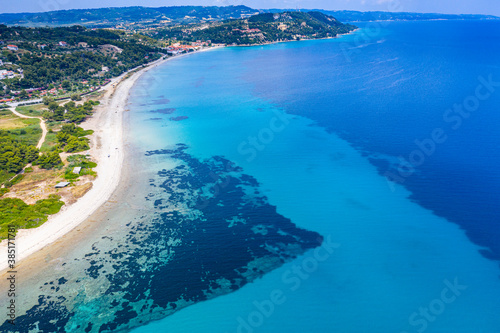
(343, 185)
(321, 125)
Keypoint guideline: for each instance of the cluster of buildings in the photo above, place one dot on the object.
(283, 16)
(5, 74)
(201, 44)
(59, 89)
(248, 31)
(15, 48)
(61, 44)
(10, 47)
(52, 91)
(251, 33)
(177, 48)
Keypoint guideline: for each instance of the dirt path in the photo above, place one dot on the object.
(42, 125)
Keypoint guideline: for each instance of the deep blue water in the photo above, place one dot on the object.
(387, 88)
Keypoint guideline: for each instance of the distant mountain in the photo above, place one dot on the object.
(140, 17)
(356, 16)
(260, 29)
(129, 16)
(8, 17)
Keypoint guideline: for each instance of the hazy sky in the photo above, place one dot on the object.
(434, 6)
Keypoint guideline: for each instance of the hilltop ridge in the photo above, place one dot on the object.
(154, 17)
(262, 28)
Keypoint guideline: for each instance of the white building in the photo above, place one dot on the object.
(5, 74)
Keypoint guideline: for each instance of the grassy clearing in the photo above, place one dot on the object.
(23, 130)
(34, 110)
(29, 134)
(80, 190)
(95, 94)
(5, 112)
(8, 120)
(50, 176)
(50, 142)
(11, 123)
(37, 185)
(79, 161)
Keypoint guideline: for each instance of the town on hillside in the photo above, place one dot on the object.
(62, 61)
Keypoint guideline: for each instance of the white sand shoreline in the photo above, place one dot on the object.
(107, 150)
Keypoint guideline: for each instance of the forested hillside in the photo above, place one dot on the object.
(52, 55)
(263, 28)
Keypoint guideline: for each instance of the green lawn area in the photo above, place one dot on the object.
(51, 138)
(34, 110)
(30, 133)
(49, 143)
(20, 129)
(4, 112)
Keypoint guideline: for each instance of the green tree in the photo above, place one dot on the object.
(49, 160)
(76, 97)
(14, 155)
(47, 100)
(53, 106)
(70, 129)
(65, 84)
(62, 137)
(23, 94)
(76, 144)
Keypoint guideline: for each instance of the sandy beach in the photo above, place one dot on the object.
(107, 149)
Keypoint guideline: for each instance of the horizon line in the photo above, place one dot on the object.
(274, 8)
